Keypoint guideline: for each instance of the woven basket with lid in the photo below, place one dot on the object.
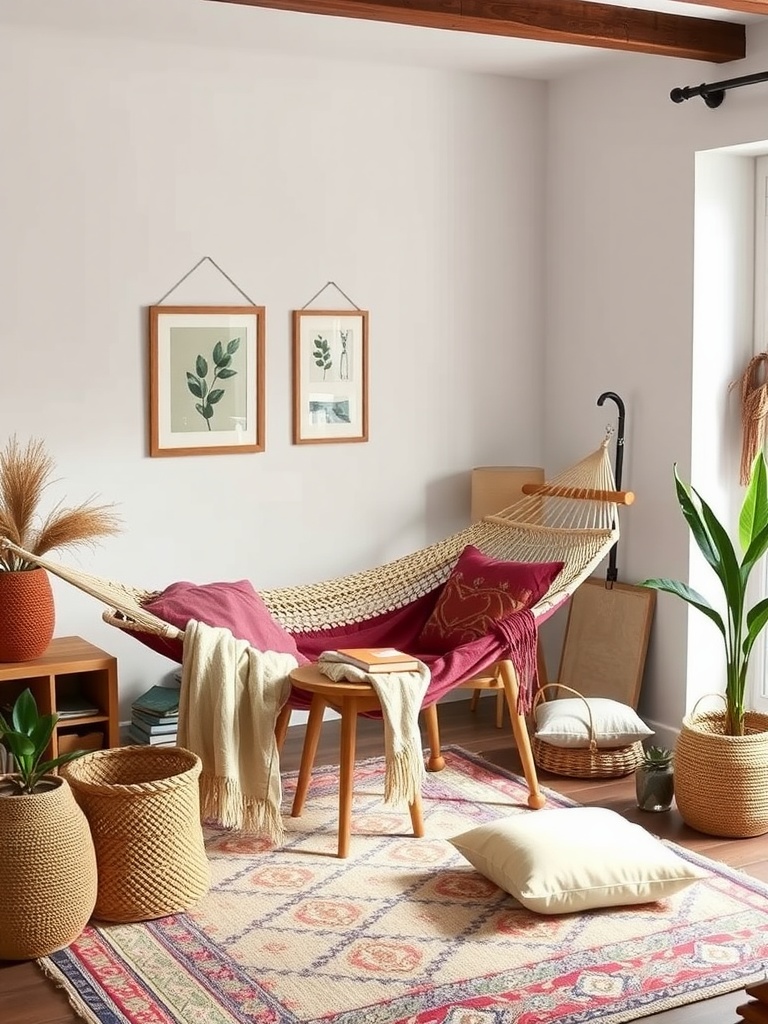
(143, 806)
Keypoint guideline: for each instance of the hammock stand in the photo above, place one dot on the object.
(572, 518)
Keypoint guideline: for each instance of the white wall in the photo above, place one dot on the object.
(126, 159)
(620, 286)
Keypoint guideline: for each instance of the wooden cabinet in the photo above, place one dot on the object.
(72, 673)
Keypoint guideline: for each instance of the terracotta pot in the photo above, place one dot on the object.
(27, 614)
(48, 882)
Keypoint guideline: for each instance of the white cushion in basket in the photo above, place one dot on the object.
(570, 859)
(565, 722)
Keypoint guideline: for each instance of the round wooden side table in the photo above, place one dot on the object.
(349, 700)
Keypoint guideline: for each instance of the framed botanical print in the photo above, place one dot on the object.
(330, 376)
(206, 380)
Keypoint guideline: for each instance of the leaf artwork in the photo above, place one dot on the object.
(322, 354)
(197, 382)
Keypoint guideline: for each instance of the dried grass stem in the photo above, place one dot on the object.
(25, 473)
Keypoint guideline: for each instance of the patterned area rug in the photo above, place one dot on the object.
(406, 931)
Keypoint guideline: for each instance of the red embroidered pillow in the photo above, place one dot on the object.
(480, 591)
(235, 606)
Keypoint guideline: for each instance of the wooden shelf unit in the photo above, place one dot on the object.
(69, 667)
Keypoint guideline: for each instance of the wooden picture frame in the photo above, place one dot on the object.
(206, 380)
(606, 640)
(330, 376)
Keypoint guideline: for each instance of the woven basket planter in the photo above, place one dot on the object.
(589, 761)
(27, 614)
(143, 806)
(721, 782)
(48, 871)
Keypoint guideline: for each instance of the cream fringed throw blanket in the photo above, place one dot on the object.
(400, 695)
(231, 695)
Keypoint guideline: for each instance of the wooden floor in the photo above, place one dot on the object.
(26, 997)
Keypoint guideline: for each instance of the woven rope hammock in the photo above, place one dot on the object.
(572, 518)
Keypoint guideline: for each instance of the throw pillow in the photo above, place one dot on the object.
(571, 859)
(231, 605)
(479, 592)
(565, 722)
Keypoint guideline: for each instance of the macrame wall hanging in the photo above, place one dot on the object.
(753, 385)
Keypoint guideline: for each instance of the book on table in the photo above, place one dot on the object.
(379, 659)
(158, 700)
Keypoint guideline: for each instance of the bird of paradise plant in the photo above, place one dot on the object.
(741, 626)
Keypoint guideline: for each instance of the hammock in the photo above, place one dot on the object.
(573, 518)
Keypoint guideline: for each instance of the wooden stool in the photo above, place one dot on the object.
(350, 700)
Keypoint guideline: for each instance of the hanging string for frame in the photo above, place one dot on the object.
(330, 284)
(202, 260)
(753, 385)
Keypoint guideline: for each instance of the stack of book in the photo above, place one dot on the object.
(155, 716)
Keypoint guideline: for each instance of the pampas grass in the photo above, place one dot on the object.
(25, 473)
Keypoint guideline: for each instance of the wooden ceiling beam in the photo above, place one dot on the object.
(555, 21)
(742, 6)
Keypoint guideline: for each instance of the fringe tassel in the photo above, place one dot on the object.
(403, 777)
(222, 801)
(754, 408)
(519, 632)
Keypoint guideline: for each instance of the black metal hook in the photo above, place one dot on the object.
(619, 434)
(612, 573)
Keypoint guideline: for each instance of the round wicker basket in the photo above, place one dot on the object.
(48, 874)
(143, 806)
(589, 761)
(720, 780)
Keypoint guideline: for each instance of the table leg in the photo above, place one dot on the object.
(417, 818)
(311, 737)
(536, 798)
(347, 772)
(436, 761)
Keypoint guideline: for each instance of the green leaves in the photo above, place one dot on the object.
(198, 384)
(753, 518)
(739, 632)
(322, 354)
(27, 737)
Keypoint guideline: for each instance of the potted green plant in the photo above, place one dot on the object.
(27, 614)
(721, 757)
(655, 779)
(48, 883)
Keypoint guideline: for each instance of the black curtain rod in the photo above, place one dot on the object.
(714, 93)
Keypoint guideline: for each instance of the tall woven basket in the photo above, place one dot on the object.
(721, 782)
(143, 806)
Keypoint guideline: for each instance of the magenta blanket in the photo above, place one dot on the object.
(513, 638)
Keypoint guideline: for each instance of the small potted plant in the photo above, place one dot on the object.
(655, 780)
(48, 882)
